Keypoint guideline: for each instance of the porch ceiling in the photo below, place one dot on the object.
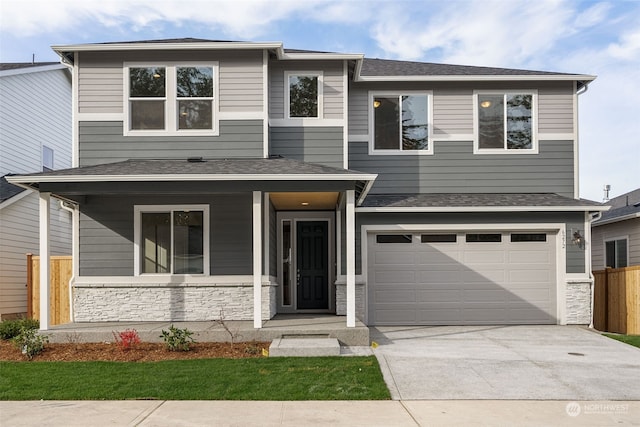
(295, 201)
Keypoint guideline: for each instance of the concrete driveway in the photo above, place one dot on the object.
(506, 362)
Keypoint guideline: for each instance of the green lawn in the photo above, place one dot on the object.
(633, 340)
(319, 378)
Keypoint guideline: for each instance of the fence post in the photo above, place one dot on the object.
(606, 298)
(30, 285)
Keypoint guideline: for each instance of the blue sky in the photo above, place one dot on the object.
(586, 37)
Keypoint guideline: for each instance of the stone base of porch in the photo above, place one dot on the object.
(169, 302)
(341, 300)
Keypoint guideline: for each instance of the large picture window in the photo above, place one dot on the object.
(171, 99)
(401, 122)
(172, 240)
(304, 92)
(505, 121)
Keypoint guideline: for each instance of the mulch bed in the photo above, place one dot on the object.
(143, 352)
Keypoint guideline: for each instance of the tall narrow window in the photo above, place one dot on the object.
(304, 95)
(505, 121)
(172, 241)
(195, 97)
(147, 96)
(47, 158)
(401, 122)
(156, 242)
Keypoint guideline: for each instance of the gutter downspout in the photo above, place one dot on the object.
(592, 218)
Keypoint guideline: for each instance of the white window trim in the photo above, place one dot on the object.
(614, 239)
(137, 214)
(399, 152)
(171, 100)
(534, 125)
(287, 97)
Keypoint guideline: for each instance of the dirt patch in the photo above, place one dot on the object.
(143, 352)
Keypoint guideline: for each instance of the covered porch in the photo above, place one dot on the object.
(111, 200)
(282, 325)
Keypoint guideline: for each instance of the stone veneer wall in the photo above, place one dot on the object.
(578, 306)
(184, 302)
(341, 300)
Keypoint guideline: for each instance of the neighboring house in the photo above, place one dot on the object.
(616, 235)
(35, 135)
(252, 180)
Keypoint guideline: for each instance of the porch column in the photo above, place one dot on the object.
(257, 259)
(351, 258)
(45, 260)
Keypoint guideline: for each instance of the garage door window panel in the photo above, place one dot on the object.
(394, 238)
(438, 238)
(483, 238)
(528, 237)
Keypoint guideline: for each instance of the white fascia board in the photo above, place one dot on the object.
(484, 209)
(475, 78)
(28, 70)
(25, 180)
(617, 219)
(319, 55)
(61, 49)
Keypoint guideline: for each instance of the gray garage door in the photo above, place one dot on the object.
(461, 278)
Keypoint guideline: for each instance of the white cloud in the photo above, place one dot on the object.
(628, 48)
(593, 15)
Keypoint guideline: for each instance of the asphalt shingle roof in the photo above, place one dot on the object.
(622, 206)
(205, 167)
(386, 67)
(7, 190)
(19, 65)
(462, 200)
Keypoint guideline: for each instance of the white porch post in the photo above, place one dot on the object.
(351, 258)
(257, 259)
(45, 260)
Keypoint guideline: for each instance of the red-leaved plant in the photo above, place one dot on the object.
(126, 339)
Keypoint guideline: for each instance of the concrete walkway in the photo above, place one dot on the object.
(312, 413)
(506, 362)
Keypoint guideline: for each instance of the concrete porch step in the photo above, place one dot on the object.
(304, 346)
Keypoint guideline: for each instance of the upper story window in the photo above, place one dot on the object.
(171, 99)
(304, 95)
(47, 158)
(616, 253)
(401, 123)
(505, 122)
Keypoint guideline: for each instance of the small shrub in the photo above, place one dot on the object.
(126, 339)
(10, 329)
(177, 339)
(30, 342)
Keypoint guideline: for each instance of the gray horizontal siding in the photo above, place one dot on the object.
(103, 142)
(629, 229)
(574, 256)
(106, 233)
(323, 145)
(101, 78)
(453, 104)
(455, 169)
(333, 86)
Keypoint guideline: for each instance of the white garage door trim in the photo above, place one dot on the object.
(560, 250)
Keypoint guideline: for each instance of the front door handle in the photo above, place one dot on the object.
(298, 277)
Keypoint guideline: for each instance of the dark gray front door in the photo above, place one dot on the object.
(312, 265)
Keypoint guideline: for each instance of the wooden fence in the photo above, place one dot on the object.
(617, 300)
(60, 273)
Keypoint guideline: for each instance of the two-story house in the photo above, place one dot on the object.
(250, 179)
(35, 135)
